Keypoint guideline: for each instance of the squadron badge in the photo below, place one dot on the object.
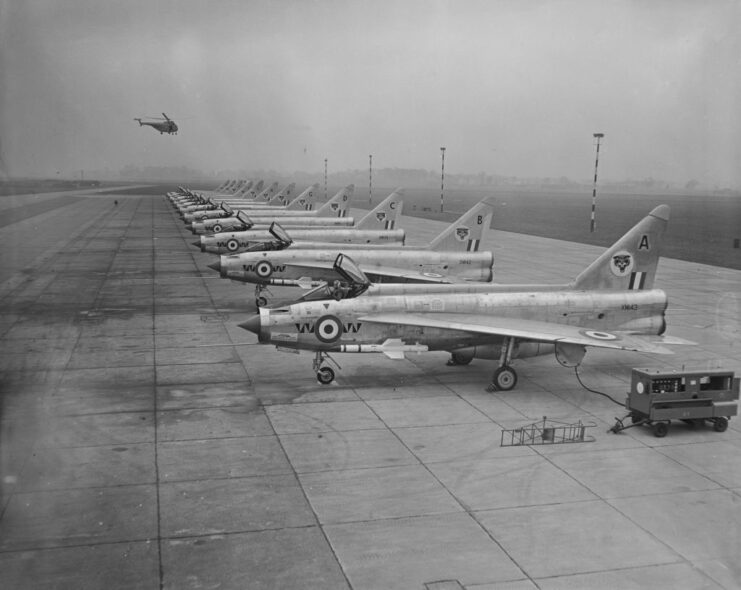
(462, 233)
(621, 263)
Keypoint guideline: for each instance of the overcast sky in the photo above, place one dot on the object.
(509, 87)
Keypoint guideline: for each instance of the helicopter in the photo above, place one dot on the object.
(165, 126)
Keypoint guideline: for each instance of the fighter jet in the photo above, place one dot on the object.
(611, 304)
(185, 207)
(246, 190)
(227, 215)
(377, 226)
(328, 214)
(223, 209)
(451, 257)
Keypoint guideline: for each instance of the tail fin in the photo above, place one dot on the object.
(464, 235)
(255, 189)
(140, 122)
(386, 214)
(283, 197)
(268, 193)
(305, 201)
(241, 192)
(339, 205)
(630, 263)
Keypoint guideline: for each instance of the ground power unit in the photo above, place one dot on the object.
(659, 396)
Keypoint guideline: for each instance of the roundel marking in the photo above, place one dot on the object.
(264, 269)
(328, 329)
(232, 245)
(606, 336)
(621, 263)
(217, 228)
(432, 275)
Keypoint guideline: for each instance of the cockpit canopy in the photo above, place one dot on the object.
(242, 216)
(355, 282)
(279, 233)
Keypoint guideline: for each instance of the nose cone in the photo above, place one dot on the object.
(197, 243)
(252, 324)
(216, 265)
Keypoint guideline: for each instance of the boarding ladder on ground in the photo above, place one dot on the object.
(547, 432)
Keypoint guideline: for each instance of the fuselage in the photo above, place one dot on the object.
(346, 325)
(410, 265)
(234, 224)
(230, 243)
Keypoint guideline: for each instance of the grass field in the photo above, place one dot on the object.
(702, 228)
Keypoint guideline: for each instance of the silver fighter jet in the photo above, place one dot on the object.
(452, 256)
(377, 226)
(611, 304)
(336, 208)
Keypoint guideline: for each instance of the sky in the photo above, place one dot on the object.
(509, 87)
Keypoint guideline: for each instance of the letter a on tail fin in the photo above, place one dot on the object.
(465, 234)
(630, 263)
(386, 214)
(339, 205)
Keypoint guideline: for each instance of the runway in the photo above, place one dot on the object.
(148, 442)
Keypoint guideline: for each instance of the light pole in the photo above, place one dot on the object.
(593, 222)
(370, 179)
(442, 178)
(325, 179)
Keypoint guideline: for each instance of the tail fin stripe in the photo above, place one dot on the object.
(473, 245)
(637, 279)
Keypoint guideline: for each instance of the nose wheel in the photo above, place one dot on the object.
(260, 299)
(324, 374)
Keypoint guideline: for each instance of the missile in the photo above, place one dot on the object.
(393, 348)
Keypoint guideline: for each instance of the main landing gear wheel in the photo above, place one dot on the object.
(504, 379)
(261, 301)
(325, 375)
(458, 359)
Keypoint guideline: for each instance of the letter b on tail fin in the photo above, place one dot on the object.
(465, 234)
(631, 262)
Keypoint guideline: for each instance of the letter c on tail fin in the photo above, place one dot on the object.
(386, 214)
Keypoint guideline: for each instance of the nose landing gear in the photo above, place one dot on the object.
(261, 300)
(325, 375)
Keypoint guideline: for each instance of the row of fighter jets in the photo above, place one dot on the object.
(367, 292)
